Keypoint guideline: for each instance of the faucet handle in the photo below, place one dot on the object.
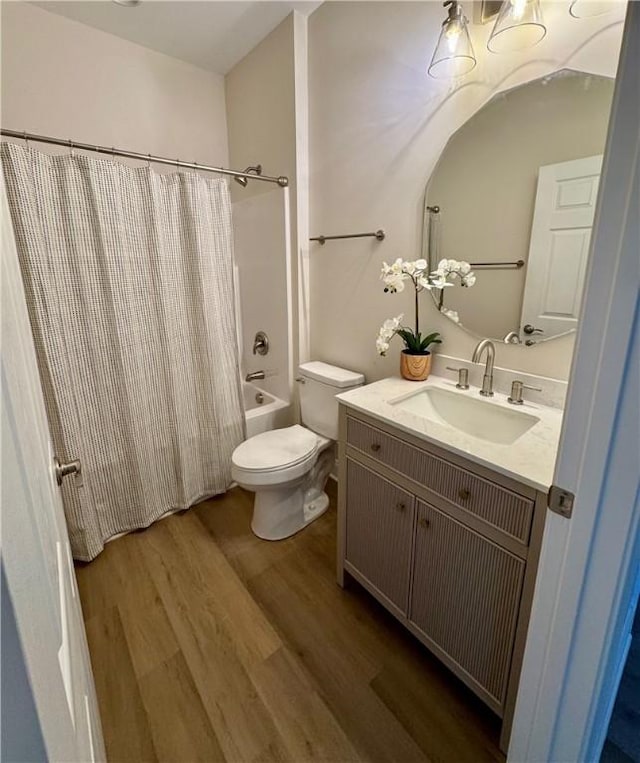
(463, 377)
(517, 388)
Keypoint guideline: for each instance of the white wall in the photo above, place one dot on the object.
(66, 79)
(377, 126)
(262, 256)
(266, 113)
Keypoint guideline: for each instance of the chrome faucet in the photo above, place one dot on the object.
(487, 379)
(254, 375)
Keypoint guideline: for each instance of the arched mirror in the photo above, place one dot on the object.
(514, 195)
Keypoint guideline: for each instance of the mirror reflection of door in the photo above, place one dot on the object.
(513, 194)
(562, 221)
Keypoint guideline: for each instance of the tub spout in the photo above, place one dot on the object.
(254, 375)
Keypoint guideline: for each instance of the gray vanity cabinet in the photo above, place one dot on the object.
(380, 533)
(465, 599)
(448, 546)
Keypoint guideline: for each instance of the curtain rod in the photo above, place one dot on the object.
(27, 136)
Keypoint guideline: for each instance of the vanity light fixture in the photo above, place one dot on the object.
(454, 54)
(584, 9)
(519, 25)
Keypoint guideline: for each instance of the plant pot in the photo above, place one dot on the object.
(415, 367)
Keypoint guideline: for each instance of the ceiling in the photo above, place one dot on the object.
(209, 34)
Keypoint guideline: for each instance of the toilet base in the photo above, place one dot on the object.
(280, 511)
(285, 504)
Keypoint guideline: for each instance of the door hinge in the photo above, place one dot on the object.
(560, 501)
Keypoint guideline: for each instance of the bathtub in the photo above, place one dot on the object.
(263, 411)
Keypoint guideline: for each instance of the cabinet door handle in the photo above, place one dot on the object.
(375, 447)
(400, 506)
(464, 494)
(424, 522)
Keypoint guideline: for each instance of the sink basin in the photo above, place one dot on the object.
(475, 417)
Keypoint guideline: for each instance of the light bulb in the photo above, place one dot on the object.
(519, 25)
(518, 8)
(454, 54)
(452, 33)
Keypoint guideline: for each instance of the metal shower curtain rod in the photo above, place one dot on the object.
(282, 181)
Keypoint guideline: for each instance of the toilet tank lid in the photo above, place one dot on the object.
(332, 375)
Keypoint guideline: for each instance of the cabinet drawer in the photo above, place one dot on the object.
(509, 512)
(379, 532)
(465, 598)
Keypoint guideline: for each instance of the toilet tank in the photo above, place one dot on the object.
(319, 385)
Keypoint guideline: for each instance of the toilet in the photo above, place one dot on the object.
(287, 468)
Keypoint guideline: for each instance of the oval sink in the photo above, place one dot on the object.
(478, 418)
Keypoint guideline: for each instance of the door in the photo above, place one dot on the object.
(42, 603)
(379, 533)
(465, 599)
(559, 247)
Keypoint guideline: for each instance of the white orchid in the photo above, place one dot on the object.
(447, 271)
(439, 281)
(394, 282)
(451, 314)
(387, 330)
(381, 346)
(426, 282)
(394, 277)
(398, 272)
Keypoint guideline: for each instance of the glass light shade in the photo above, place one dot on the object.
(519, 25)
(583, 9)
(454, 54)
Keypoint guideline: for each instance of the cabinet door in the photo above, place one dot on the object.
(379, 532)
(465, 600)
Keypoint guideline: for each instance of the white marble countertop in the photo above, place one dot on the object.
(530, 459)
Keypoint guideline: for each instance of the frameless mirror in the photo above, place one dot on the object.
(514, 194)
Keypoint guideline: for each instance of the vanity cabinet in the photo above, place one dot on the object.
(465, 598)
(447, 545)
(380, 532)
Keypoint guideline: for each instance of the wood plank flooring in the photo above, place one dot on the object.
(209, 644)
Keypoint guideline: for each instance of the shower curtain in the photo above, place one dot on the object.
(129, 283)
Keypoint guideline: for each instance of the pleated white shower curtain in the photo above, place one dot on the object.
(129, 283)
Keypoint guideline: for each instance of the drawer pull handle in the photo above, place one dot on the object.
(375, 447)
(424, 522)
(400, 506)
(464, 494)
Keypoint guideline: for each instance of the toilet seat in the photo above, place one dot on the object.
(276, 449)
(275, 456)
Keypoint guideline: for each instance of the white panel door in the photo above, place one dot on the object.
(560, 236)
(36, 557)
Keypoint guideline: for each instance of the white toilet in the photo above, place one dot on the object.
(288, 468)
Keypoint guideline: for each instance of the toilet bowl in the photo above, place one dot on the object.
(288, 468)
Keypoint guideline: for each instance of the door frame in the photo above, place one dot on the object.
(588, 566)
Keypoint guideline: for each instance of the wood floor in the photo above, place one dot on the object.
(208, 644)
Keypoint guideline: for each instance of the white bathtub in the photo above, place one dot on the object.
(263, 411)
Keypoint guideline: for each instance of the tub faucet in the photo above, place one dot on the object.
(487, 379)
(254, 375)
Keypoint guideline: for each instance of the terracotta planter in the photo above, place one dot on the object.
(415, 367)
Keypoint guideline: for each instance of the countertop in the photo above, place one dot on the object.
(529, 460)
